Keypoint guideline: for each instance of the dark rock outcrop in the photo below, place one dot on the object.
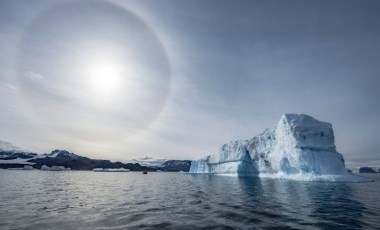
(176, 165)
(368, 170)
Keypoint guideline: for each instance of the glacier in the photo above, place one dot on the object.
(299, 147)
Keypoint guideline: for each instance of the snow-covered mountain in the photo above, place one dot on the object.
(12, 156)
(163, 164)
(298, 147)
(149, 161)
(63, 154)
(8, 151)
(177, 165)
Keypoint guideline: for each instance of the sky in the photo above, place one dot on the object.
(177, 79)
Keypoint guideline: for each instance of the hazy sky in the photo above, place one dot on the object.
(177, 79)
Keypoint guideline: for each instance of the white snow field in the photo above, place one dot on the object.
(299, 147)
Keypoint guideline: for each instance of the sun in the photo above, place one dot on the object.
(104, 79)
(104, 76)
(103, 73)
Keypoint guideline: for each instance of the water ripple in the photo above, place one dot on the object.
(86, 200)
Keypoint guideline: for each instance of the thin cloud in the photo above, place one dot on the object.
(11, 86)
(34, 76)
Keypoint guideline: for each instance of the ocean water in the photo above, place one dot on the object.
(90, 200)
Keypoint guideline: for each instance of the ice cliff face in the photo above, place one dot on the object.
(298, 147)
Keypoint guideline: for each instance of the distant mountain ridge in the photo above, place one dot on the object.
(149, 161)
(76, 162)
(62, 154)
(13, 157)
(177, 165)
(8, 151)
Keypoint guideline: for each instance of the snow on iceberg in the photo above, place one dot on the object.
(299, 147)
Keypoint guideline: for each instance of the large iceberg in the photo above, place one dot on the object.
(298, 147)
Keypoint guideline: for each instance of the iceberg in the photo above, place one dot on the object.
(299, 147)
(28, 167)
(45, 168)
(57, 168)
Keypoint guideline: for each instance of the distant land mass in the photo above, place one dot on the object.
(15, 157)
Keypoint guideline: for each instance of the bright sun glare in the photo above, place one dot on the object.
(105, 76)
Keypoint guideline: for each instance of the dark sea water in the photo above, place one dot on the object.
(89, 200)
